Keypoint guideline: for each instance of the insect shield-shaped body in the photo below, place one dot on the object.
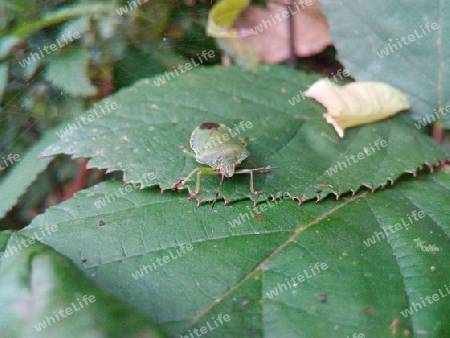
(218, 146)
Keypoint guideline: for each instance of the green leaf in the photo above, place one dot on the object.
(136, 65)
(7, 44)
(44, 295)
(220, 21)
(60, 15)
(4, 66)
(395, 42)
(140, 129)
(24, 173)
(224, 14)
(151, 20)
(232, 261)
(68, 71)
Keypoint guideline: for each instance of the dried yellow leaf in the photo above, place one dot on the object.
(357, 103)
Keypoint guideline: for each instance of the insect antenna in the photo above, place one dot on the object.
(217, 193)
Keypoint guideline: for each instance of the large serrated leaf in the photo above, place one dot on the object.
(45, 295)
(411, 56)
(238, 261)
(142, 135)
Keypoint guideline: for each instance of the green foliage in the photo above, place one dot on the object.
(73, 65)
(21, 178)
(238, 257)
(143, 134)
(410, 56)
(156, 263)
(60, 15)
(38, 283)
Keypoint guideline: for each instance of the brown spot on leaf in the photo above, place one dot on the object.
(369, 310)
(257, 217)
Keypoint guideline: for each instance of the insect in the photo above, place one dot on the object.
(219, 147)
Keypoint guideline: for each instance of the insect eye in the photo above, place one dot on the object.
(209, 125)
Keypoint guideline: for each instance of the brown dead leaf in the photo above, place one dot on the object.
(266, 30)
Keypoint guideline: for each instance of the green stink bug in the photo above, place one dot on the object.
(219, 147)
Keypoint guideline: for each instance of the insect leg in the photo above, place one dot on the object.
(197, 186)
(250, 171)
(199, 172)
(217, 192)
